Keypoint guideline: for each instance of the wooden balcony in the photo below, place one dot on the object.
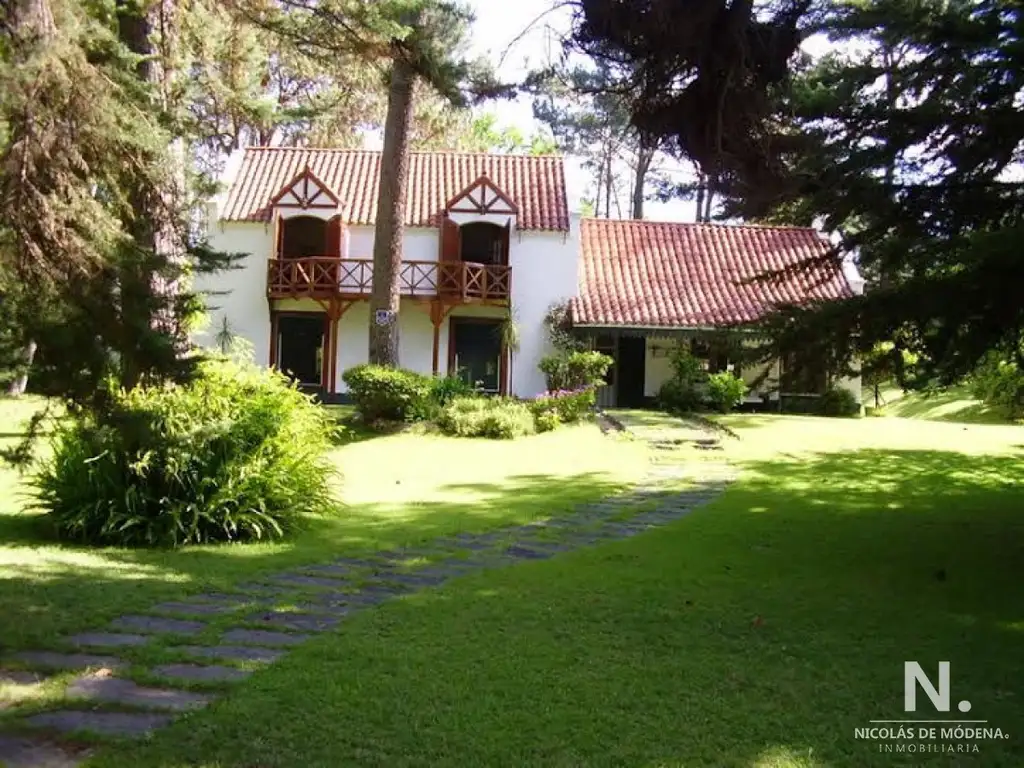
(324, 277)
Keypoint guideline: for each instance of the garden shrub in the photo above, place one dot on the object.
(492, 417)
(726, 390)
(546, 421)
(575, 370)
(237, 454)
(1000, 384)
(569, 405)
(444, 389)
(683, 391)
(838, 402)
(391, 394)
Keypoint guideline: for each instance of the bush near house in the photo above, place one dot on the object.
(838, 402)
(725, 390)
(999, 383)
(574, 370)
(493, 417)
(682, 392)
(569, 406)
(381, 393)
(237, 454)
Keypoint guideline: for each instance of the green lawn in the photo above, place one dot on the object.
(759, 632)
(395, 490)
(950, 404)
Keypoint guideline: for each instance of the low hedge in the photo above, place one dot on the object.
(569, 405)
(389, 394)
(237, 454)
(493, 417)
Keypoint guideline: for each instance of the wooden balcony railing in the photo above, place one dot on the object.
(325, 276)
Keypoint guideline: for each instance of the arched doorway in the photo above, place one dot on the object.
(484, 243)
(304, 237)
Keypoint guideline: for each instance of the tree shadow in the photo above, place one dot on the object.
(67, 587)
(759, 631)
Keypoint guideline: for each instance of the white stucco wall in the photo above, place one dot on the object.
(544, 271)
(244, 290)
(657, 366)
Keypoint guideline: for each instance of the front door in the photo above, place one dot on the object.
(300, 348)
(630, 371)
(477, 352)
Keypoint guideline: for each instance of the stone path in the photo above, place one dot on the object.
(218, 638)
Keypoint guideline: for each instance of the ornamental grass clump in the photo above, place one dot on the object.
(237, 454)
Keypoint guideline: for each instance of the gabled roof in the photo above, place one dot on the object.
(649, 275)
(305, 190)
(482, 196)
(535, 183)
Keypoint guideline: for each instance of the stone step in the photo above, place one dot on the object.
(263, 637)
(197, 608)
(107, 639)
(25, 752)
(52, 660)
(200, 673)
(290, 620)
(114, 690)
(157, 625)
(127, 724)
(232, 652)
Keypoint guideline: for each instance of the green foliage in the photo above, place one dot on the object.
(558, 323)
(574, 370)
(547, 421)
(237, 454)
(725, 391)
(904, 138)
(837, 401)
(492, 417)
(683, 391)
(444, 389)
(568, 405)
(999, 382)
(391, 394)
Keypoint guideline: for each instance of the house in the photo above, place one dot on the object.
(489, 239)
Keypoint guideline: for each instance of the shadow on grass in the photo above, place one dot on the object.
(58, 588)
(760, 631)
(955, 404)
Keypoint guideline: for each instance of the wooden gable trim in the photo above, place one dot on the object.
(499, 201)
(314, 194)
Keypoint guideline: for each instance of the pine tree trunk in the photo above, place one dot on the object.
(701, 181)
(643, 164)
(20, 383)
(608, 185)
(708, 199)
(390, 227)
(149, 29)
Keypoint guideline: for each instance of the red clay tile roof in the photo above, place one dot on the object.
(646, 274)
(535, 183)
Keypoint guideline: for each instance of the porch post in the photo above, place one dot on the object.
(436, 317)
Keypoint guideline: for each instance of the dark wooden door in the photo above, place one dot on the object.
(300, 348)
(477, 355)
(630, 373)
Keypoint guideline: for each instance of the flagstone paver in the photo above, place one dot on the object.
(201, 673)
(262, 637)
(158, 625)
(104, 723)
(233, 652)
(115, 690)
(52, 660)
(107, 639)
(318, 598)
(22, 752)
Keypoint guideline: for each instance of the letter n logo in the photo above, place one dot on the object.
(914, 675)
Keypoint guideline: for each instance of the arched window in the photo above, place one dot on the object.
(483, 243)
(303, 236)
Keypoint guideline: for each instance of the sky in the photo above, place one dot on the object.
(512, 34)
